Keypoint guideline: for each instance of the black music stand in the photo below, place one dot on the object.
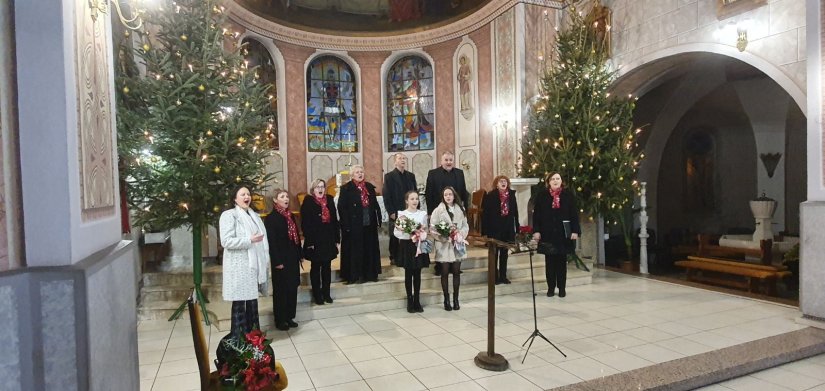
(536, 332)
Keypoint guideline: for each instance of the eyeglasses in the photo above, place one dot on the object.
(320, 187)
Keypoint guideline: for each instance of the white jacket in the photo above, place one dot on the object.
(245, 264)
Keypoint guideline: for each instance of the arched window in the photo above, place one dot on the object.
(410, 122)
(332, 123)
(256, 54)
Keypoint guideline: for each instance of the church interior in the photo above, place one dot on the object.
(697, 264)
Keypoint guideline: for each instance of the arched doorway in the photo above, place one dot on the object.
(711, 118)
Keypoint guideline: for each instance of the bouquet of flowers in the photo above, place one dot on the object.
(524, 237)
(251, 362)
(445, 229)
(407, 225)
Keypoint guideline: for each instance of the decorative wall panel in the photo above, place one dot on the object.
(468, 161)
(94, 116)
(465, 67)
(275, 166)
(422, 163)
(320, 167)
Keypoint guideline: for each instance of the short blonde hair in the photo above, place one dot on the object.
(316, 183)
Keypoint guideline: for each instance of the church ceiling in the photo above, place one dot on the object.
(363, 17)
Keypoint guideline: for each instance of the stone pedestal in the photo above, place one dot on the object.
(522, 187)
(811, 261)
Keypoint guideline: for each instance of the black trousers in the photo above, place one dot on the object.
(393, 243)
(284, 302)
(503, 253)
(319, 275)
(244, 317)
(555, 269)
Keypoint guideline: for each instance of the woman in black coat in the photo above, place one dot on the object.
(319, 223)
(552, 208)
(360, 219)
(499, 220)
(285, 254)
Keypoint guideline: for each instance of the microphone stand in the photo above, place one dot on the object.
(536, 332)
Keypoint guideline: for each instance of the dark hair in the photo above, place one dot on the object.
(407, 194)
(550, 175)
(234, 193)
(456, 198)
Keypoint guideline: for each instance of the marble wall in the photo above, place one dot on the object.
(644, 30)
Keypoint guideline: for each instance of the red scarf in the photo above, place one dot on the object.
(556, 195)
(504, 197)
(322, 202)
(365, 196)
(292, 229)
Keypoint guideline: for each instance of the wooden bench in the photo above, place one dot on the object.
(756, 275)
(764, 252)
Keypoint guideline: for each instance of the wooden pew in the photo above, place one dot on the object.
(764, 252)
(755, 275)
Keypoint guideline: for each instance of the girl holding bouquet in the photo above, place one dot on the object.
(412, 248)
(450, 228)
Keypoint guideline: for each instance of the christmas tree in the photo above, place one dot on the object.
(193, 122)
(578, 128)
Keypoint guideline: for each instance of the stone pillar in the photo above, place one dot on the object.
(442, 55)
(482, 38)
(69, 316)
(812, 242)
(295, 58)
(372, 149)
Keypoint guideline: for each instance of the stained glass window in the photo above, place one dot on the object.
(256, 54)
(332, 123)
(410, 124)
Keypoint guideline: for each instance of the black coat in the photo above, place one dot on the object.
(396, 184)
(548, 221)
(320, 239)
(360, 256)
(493, 224)
(282, 251)
(439, 178)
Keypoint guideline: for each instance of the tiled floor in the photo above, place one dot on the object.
(616, 324)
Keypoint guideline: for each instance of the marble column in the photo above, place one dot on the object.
(372, 149)
(812, 212)
(482, 38)
(295, 58)
(442, 55)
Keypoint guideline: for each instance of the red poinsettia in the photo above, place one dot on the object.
(256, 338)
(525, 229)
(253, 365)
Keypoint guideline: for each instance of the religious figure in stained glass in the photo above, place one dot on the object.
(410, 111)
(331, 114)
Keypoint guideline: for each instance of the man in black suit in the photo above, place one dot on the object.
(396, 183)
(441, 177)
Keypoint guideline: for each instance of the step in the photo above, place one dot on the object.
(431, 298)
(473, 270)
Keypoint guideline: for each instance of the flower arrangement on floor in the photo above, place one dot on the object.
(251, 362)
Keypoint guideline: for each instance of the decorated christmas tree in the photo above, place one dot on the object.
(578, 128)
(193, 122)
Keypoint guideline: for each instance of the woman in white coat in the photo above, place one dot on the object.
(450, 249)
(245, 261)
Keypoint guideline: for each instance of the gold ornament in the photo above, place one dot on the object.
(125, 90)
(237, 179)
(208, 132)
(201, 88)
(216, 209)
(217, 169)
(146, 47)
(183, 37)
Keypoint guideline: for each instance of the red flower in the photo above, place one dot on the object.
(256, 338)
(225, 370)
(525, 229)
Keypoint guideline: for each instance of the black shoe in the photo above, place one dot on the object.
(282, 326)
(505, 280)
(291, 323)
(498, 281)
(551, 293)
(360, 281)
(417, 305)
(455, 304)
(319, 300)
(562, 293)
(410, 305)
(447, 306)
(328, 299)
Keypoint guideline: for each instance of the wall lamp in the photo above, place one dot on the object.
(133, 22)
(738, 29)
